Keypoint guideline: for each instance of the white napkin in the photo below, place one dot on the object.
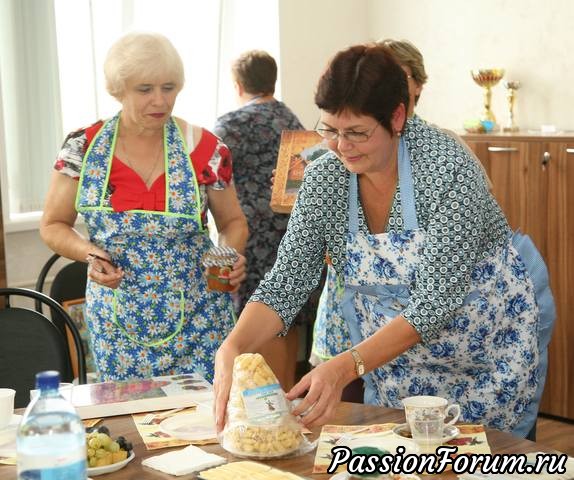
(184, 461)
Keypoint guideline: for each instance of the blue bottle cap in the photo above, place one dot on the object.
(48, 380)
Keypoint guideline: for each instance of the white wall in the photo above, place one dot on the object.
(532, 40)
(310, 33)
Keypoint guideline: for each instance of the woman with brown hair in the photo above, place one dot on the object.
(436, 294)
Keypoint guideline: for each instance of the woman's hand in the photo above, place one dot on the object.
(239, 273)
(102, 270)
(224, 359)
(324, 385)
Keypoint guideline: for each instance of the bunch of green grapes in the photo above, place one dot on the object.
(102, 450)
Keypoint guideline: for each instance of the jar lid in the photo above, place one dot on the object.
(220, 256)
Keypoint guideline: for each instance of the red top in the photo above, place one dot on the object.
(211, 161)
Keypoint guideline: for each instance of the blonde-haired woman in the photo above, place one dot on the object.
(143, 181)
(411, 61)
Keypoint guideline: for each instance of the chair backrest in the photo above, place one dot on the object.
(68, 284)
(30, 343)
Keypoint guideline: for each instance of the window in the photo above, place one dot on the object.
(51, 75)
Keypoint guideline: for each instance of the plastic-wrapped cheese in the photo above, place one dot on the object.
(259, 423)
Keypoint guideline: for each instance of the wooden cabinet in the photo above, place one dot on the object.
(533, 181)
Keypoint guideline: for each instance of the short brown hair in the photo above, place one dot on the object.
(365, 80)
(256, 71)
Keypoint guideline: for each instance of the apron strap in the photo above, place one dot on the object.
(407, 189)
(349, 314)
(353, 204)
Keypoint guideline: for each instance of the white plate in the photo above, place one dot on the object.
(95, 471)
(449, 432)
(198, 425)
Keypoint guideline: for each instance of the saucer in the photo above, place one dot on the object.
(449, 432)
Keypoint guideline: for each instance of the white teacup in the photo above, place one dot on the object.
(6, 406)
(429, 413)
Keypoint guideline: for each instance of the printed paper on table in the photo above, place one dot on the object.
(108, 399)
(472, 439)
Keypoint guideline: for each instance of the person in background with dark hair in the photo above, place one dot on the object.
(438, 295)
(253, 133)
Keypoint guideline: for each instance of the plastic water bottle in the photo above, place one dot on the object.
(51, 439)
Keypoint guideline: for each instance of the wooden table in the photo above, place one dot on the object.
(347, 414)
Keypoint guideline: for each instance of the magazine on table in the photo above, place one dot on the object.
(108, 399)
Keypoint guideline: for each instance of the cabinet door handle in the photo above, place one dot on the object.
(545, 158)
(502, 149)
(570, 150)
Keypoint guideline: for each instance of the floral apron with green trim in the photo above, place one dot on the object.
(162, 319)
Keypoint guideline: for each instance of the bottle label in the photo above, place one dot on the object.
(73, 471)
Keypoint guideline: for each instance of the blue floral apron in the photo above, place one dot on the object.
(491, 358)
(162, 319)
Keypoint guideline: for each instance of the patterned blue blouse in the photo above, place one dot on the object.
(253, 133)
(462, 220)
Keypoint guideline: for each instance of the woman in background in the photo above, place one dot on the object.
(253, 134)
(411, 61)
(143, 181)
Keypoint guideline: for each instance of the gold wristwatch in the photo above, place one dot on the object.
(359, 364)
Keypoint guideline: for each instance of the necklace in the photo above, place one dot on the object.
(146, 178)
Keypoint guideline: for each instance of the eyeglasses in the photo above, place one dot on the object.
(332, 135)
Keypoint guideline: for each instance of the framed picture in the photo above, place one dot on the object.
(298, 148)
(76, 309)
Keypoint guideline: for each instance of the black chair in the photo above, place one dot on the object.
(68, 284)
(30, 343)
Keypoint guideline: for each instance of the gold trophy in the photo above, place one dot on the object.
(487, 78)
(511, 87)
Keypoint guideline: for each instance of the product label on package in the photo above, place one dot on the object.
(265, 404)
